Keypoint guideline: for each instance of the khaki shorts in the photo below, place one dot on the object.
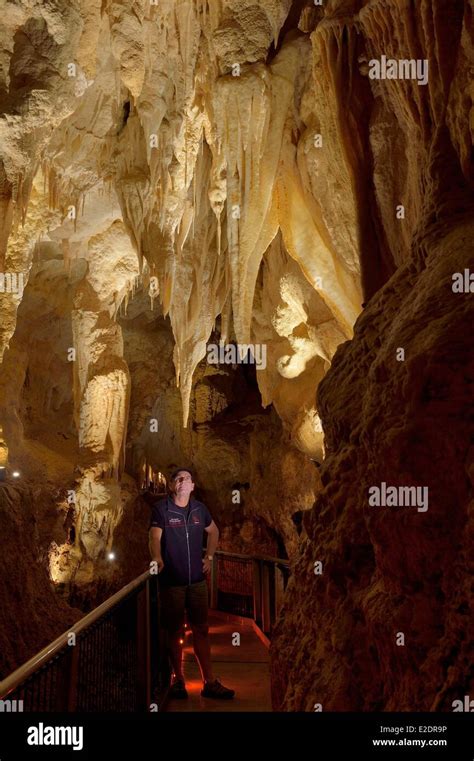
(175, 600)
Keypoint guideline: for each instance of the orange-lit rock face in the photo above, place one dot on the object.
(198, 172)
(394, 404)
(159, 148)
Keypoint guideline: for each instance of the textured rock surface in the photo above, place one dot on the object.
(166, 148)
(32, 612)
(391, 570)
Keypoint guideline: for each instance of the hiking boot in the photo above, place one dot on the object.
(178, 690)
(217, 690)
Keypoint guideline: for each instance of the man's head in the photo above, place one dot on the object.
(182, 482)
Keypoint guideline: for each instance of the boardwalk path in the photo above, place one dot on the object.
(243, 668)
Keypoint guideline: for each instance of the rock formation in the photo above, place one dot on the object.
(396, 405)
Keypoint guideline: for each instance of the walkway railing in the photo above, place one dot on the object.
(115, 658)
(249, 586)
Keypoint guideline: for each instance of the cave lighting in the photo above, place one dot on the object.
(111, 556)
(16, 474)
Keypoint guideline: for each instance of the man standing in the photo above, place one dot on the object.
(176, 541)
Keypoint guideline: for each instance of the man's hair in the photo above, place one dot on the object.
(178, 470)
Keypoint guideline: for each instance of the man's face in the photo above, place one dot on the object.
(182, 484)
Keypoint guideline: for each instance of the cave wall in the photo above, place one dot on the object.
(168, 149)
(400, 418)
(33, 614)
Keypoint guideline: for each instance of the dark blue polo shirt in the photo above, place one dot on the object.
(181, 540)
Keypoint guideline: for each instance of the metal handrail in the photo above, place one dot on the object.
(254, 593)
(23, 672)
(264, 604)
(266, 558)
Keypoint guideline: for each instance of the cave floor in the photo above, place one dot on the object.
(244, 668)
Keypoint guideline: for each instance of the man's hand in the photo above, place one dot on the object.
(156, 565)
(206, 565)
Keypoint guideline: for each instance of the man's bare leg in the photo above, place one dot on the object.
(202, 651)
(176, 654)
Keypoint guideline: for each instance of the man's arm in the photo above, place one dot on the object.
(212, 539)
(155, 546)
(212, 542)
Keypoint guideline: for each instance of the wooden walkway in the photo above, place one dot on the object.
(243, 668)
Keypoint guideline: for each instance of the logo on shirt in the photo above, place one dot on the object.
(176, 520)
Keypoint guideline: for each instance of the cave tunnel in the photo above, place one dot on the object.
(236, 359)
